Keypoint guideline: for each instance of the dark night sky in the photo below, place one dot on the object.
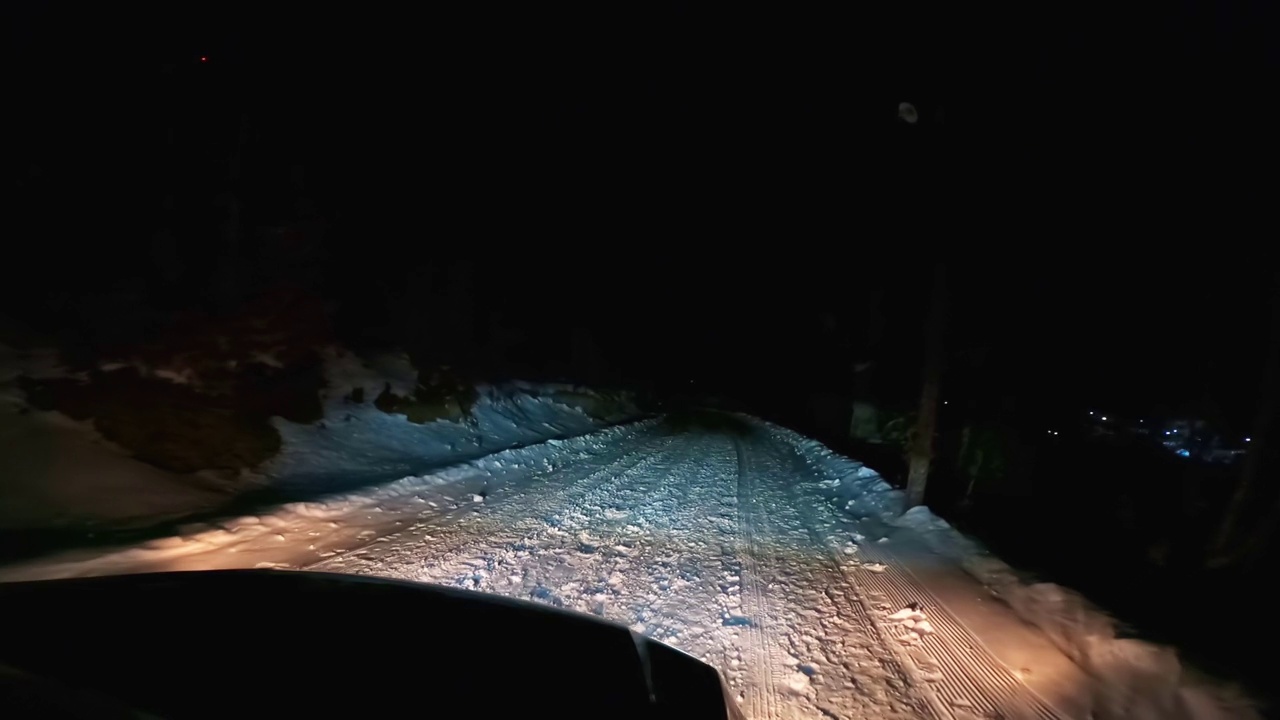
(704, 182)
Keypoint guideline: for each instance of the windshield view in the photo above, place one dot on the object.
(666, 361)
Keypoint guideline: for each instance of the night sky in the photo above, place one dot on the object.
(707, 191)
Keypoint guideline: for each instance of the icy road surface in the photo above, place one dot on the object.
(727, 544)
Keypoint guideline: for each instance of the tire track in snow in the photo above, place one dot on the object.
(969, 676)
(703, 615)
(430, 539)
(762, 697)
(897, 691)
(930, 705)
(963, 678)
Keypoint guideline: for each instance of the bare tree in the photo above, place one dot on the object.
(921, 454)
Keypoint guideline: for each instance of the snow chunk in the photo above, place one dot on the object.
(907, 614)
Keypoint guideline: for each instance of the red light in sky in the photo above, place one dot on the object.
(204, 58)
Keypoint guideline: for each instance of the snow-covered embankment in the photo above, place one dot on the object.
(62, 477)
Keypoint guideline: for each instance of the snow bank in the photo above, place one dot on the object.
(357, 443)
(1134, 679)
(58, 472)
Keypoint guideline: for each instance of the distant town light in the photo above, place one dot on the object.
(1104, 417)
(1090, 412)
(1248, 439)
(1166, 432)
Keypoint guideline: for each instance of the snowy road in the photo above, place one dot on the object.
(709, 542)
(722, 540)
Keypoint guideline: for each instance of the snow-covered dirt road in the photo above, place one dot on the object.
(723, 541)
(716, 541)
(709, 542)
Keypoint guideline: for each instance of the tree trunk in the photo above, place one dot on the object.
(1268, 404)
(968, 464)
(922, 446)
